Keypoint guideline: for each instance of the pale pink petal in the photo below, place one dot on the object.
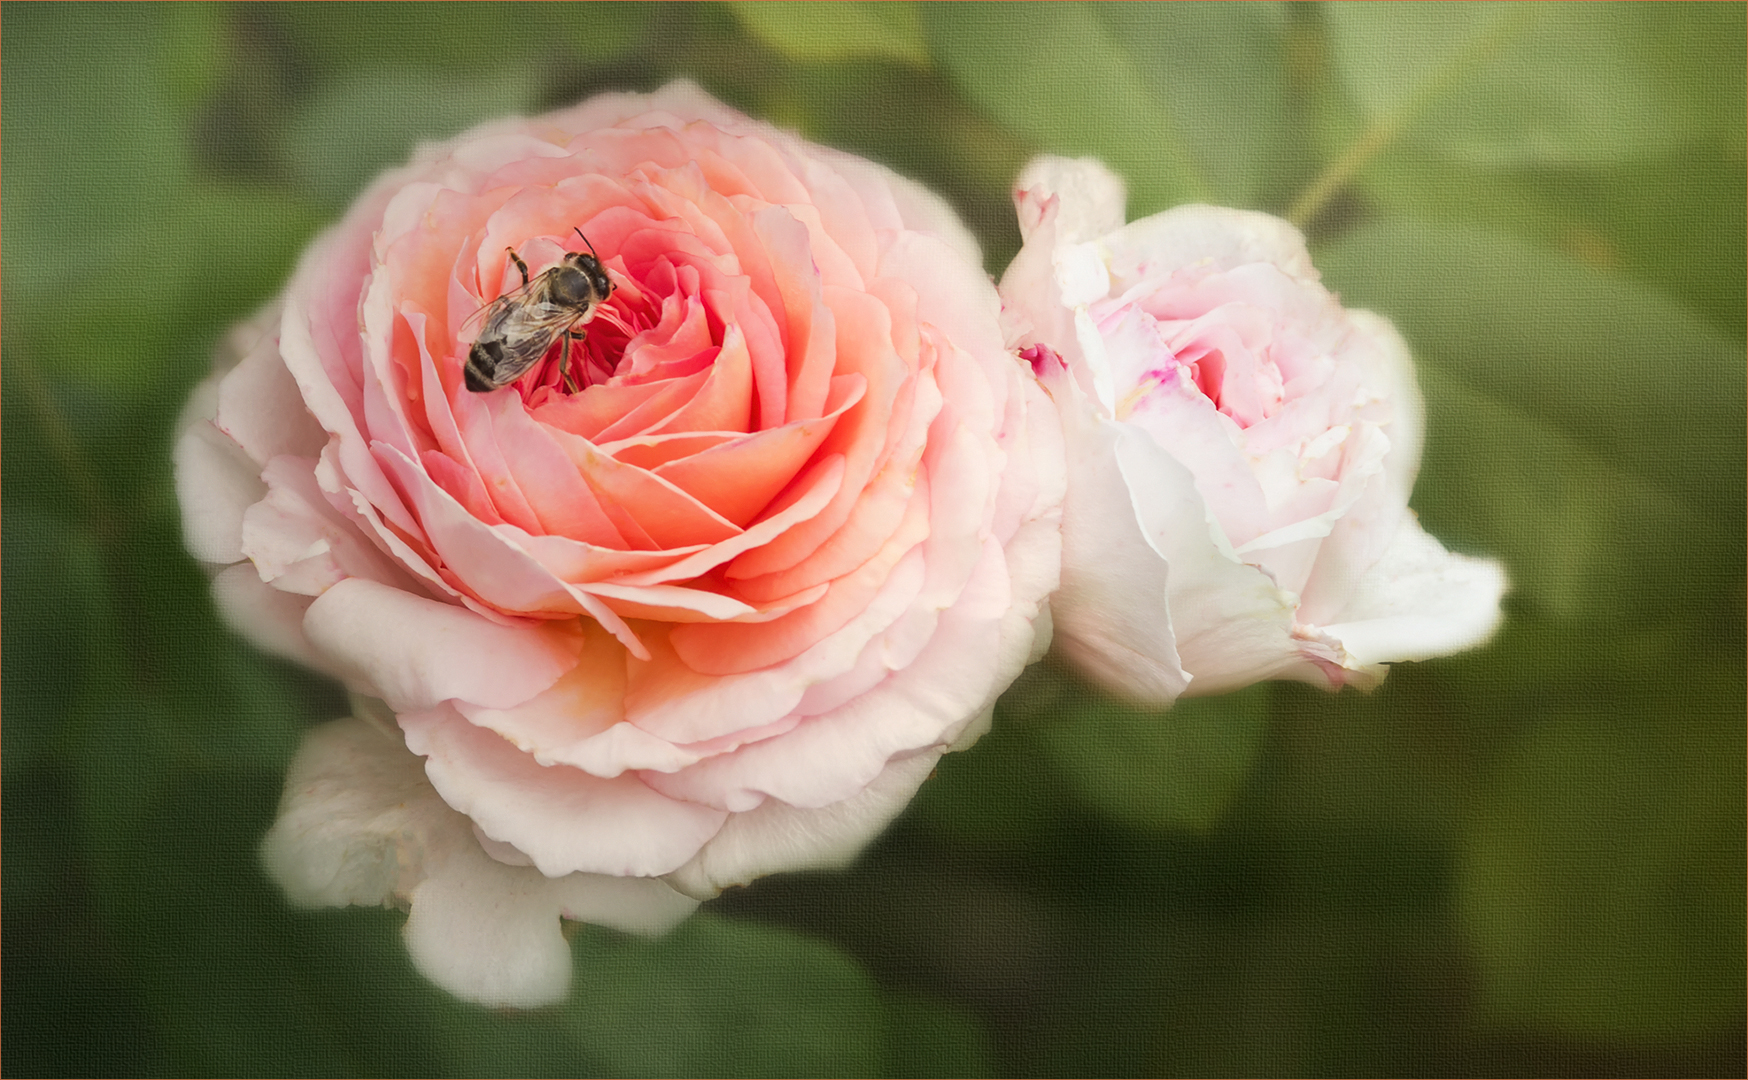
(956, 299)
(775, 837)
(216, 483)
(580, 720)
(299, 543)
(563, 818)
(258, 404)
(670, 699)
(418, 652)
(829, 758)
(1211, 237)
(270, 619)
(329, 406)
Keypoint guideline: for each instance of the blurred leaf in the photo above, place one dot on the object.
(339, 37)
(929, 1038)
(1221, 71)
(1390, 763)
(1700, 55)
(117, 257)
(174, 281)
(1515, 84)
(1584, 539)
(1344, 989)
(723, 998)
(1675, 220)
(1641, 385)
(1057, 75)
(88, 158)
(1602, 873)
(371, 119)
(808, 31)
(71, 1008)
(208, 942)
(54, 592)
(1176, 768)
(194, 51)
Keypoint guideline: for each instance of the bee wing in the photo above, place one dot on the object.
(541, 319)
(524, 335)
(497, 309)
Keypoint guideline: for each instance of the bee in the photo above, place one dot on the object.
(520, 326)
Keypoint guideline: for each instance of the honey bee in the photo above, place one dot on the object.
(520, 326)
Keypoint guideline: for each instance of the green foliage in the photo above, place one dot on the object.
(1529, 858)
(803, 31)
(369, 119)
(1176, 768)
(1633, 804)
(1495, 84)
(700, 1001)
(1061, 101)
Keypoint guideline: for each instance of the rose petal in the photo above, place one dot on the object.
(216, 483)
(1112, 608)
(1090, 197)
(247, 398)
(563, 818)
(1419, 601)
(419, 652)
(360, 824)
(776, 837)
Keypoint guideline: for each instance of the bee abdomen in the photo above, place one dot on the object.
(482, 365)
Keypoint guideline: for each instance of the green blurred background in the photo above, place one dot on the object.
(1527, 859)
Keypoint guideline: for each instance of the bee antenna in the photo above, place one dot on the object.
(592, 250)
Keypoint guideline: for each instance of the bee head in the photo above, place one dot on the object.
(590, 280)
(590, 265)
(598, 278)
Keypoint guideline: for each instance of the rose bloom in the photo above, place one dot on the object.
(1241, 452)
(714, 613)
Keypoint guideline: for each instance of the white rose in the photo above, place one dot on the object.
(1241, 452)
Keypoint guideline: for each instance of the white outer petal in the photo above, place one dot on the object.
(1198, 235)
(563, 819)
(1110, 616)
(359, 824)
(1090, 198)
(216, 480)
(259, 405)
(270, 619)
(1419, 601)
(1392, 378)
(1233, 624)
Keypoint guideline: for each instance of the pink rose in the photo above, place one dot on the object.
(715, 613)
(1241, 452)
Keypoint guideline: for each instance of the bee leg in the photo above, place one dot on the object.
(564, 365)
(520, 265)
